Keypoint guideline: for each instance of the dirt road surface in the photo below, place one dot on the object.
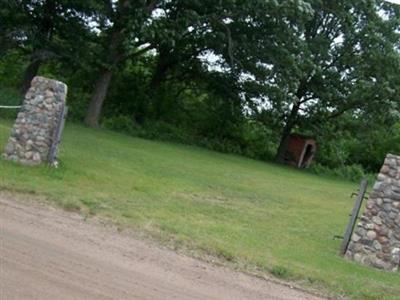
(46, 253)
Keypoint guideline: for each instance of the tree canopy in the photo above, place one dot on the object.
(238, 75)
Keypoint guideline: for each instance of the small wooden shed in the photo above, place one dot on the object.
(300, 151)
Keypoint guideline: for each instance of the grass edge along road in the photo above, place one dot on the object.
(254, 215)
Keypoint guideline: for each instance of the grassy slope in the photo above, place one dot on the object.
(253, 213)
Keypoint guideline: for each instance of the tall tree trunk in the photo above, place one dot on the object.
(155, 91)
(45, 33)
(103, 82)
(98, 97)
(159, 74)
(287, 130)
(30, 72)
(115, 54)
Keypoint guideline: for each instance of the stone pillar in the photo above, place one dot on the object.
(33, 132)
(376, 240)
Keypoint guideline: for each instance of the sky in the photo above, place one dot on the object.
(394, 1)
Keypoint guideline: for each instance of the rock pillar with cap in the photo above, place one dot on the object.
(33, 132)
(376, 240)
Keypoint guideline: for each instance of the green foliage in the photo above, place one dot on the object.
(11, 69)
(364, 140)
(323, 67)
(280, 272)
(327, 69)
(376, 140)
(350, 172)
(9, 97)
(253, 139)
(342, 58)
(260, 140)
(166, 132)
(120, 123)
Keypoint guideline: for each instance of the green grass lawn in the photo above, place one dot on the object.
(252, 214)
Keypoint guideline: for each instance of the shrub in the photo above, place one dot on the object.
(159, 130)
(252, 139)
(353, 172)
(280, 272)
(259, 141)
(9, 96)
(120, 123)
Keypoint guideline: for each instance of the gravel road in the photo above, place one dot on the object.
(47, 253)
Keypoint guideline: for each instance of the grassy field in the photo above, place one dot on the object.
(251, 214)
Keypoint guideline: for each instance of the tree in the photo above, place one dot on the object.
(179, 36)
(235, 31)
(10, 32)
(45, 29)
(344, 59)
(124, 22)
